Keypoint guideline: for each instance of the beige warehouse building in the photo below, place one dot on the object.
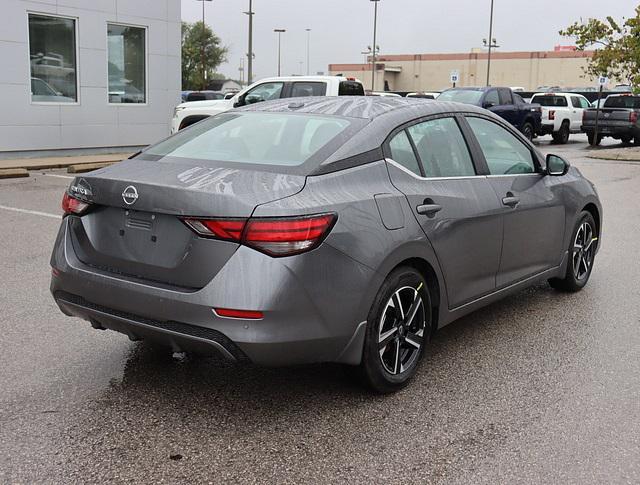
(431, 72)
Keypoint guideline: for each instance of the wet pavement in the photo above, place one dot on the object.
(542, 387)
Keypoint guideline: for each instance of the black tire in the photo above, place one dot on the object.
(562, 135)
(580, 263)
(591, 139)
(527, 130)
(380, 369)
(626, 139)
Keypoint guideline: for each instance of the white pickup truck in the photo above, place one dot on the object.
(561, 114)
(187, 114)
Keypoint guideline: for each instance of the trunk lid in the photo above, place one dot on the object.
(134, 229)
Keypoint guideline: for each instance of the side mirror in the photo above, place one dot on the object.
(556, 165)
(253, 98)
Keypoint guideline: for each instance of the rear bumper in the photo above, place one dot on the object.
(612, 130)
(313, 305)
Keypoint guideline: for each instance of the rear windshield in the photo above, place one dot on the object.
(350, 88)
(632, 102)
(285, 139)
(547, 100)
(199, 96)
(468, 96)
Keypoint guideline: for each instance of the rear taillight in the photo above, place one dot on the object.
(274, 236)
(71, 205)
(633, 117)
(552, 114)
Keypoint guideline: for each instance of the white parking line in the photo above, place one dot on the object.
(58, 176)
(35, 213)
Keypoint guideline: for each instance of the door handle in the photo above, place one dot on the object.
(428, 209)
(510, 200)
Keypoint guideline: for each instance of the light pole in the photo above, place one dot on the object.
(279, 32)
(202, 42)
(308, 44)
(492, 43)
(373, 59)
(250, 13)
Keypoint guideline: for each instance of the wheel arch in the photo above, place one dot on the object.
(592, 209)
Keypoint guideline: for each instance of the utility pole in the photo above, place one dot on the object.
(308, 44)
(491, 42)
(279, 32)
(373, 59)
(202, 42)
(250, 13)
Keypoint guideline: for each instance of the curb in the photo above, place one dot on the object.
(13, 173)
(87, 167)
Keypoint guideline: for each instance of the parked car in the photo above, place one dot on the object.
(322, 230)
(186, 114)
(618, 119)
(561, 114)
(42, 92)
(204, 95)
(524, 116)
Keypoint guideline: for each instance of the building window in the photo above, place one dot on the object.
(127, 64)
(52, 55)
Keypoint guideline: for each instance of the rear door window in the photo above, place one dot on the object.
(505, 154)
(442, 149)
(402, 152)
(629, 102)
(350, 88)
(299, 89)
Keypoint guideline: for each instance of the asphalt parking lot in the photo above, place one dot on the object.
(542, 387)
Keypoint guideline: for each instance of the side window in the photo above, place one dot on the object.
(263, 92)
(505, 154)
(505, 96)
(575, 102)
(308, 89)
(441, 148)
(584, 103)
(402, 152)
(492, 98)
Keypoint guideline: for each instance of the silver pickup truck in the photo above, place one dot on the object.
(618, 118)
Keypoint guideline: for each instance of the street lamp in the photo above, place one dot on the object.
(250, 13)
(373, 59)
(204, 86)
(279, 32)
(308, 44)
(491, 44)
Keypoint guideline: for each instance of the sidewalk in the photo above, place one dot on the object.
(19, 167)
(630, 154)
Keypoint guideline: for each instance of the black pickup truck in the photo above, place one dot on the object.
(618, 118)
(526, 117)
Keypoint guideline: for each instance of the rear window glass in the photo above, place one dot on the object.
(308, 89)
(199, 96)
(467, 96)
(258, 138)
(350, 88)
(632, 102)
(547, 100)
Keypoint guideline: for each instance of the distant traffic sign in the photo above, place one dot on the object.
(455, 77)
(603, 81)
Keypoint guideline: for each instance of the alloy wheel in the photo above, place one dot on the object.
(583, 251)
(401, 330)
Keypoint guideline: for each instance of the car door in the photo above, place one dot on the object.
(430, 162)
(299, 89)
(576, 113)
(506, 108)
(534, 214)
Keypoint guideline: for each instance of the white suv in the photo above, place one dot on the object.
(187, 114)
(561, 114)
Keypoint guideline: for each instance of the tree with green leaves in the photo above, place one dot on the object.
(196, 38)
(617, 47)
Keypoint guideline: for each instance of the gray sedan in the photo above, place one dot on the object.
(322, 230)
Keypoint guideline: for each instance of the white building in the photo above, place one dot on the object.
(87, 73)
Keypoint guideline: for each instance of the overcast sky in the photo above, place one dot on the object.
(342, 29)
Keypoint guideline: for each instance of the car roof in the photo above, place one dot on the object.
(305, 78)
